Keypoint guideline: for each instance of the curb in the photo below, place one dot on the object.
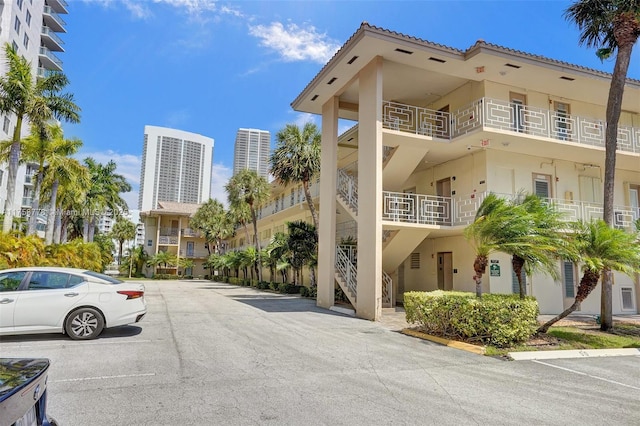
(479, 350)
(579, 353)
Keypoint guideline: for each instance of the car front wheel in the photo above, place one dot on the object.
(84, 324)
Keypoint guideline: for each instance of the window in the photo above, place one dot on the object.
(149, 243)
(14, 46)
(415, 260)
(5, 125)
(52, 281)
(19, 3)
(16, 25)
(1, 173)
(10, 281)
(542, 185)
(28, 19)
(562, 121)
(25, 41)
(627, 298)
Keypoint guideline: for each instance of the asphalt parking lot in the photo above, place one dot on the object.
(210, 353)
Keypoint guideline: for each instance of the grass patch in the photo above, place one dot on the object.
(623, 335)
(595, 339)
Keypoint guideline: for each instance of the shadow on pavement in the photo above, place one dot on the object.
(109, 333)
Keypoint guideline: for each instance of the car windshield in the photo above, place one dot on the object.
(103, 277)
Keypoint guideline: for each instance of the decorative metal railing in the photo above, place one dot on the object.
(167, 231)
(348, 189)
(387, 290)
(188, 232)
(414, 119)
(347, 270)
(505, 115)
(416, 208)
(164, 240)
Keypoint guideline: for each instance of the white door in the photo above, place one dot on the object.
(9, 283)
(49, 296)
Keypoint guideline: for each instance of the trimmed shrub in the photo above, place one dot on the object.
(274, 286)
(501, 320)
(308, 292)
(264, 285)
(165, 277)
(287, 288)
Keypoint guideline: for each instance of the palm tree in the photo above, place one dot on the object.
(528, 230)
(246, 187)
(610, 26)
(186, 265)
(36, 101)
(599, 247)
(163, 258)
(303, 245)
(212, 219)
(123, 230)
(48, 147)
(70, 189)
(103, 194)
(276, 251)
(296, 158)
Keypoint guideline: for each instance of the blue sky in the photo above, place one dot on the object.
(212, 67)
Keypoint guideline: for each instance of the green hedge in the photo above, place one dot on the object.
(165, 277)
(308, 291)
(501, 320)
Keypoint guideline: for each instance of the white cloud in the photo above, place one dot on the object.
(304, 118)
(220, 175)
(294, 43)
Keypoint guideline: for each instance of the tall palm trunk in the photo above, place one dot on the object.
(12, 173)
(258, 264)
(52, 218)
(517, 263)
(35, 204)
(479, 267)
(588, 282)
(312, 207)
(614, 108)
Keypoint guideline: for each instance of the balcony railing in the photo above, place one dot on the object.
(165, 240)
(188, 232)
(50, 12)
(52, 34)
(53, 58)
(461, 210)
(288, 201)
(504, 115)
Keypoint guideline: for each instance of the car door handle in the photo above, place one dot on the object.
(71, 294)
(5, 301)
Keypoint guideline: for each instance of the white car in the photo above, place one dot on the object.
(77, 302)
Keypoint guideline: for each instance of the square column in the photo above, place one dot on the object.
(369, 300)
(327, 219)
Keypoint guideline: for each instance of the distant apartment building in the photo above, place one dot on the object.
(252, 151)
(176, 167)
(32, 27)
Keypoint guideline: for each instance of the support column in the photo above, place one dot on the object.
(369, 301)
(327, 219)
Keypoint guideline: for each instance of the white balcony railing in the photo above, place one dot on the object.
(508, 116)
(461, 210)
(295, 199)
(53, 58)
(52, 34)
(50, 12)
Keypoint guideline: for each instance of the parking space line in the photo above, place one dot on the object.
(119, 376)
(585, 374)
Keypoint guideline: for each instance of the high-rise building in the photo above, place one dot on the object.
(176, 166)
(252, 151)
(32, 28)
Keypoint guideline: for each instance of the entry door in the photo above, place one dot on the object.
(443, 188)
(445, 271)
(518, 119)
(190, 248)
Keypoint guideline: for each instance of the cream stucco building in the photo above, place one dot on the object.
(437, 128)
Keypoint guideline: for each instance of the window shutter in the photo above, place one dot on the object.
(569, 279)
